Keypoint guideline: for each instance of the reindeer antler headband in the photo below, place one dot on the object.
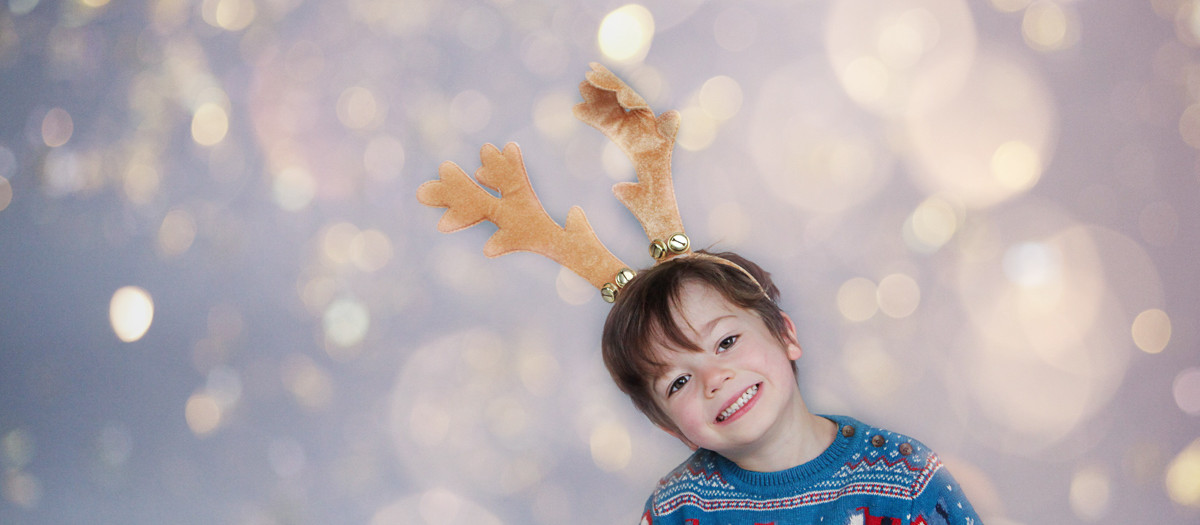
(615, 109)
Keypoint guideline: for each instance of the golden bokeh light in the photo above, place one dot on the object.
(230, 15)
(700, 131)
(721, 97)
(1091, 489)
(141, 182)
(625, 33)
(131, 311)
(202, 413)
(176, 232)
(337, 242)
(210, 123)
(857, 299)
(95, 3)
(57, 127)
(931, 225)
(611, 446)
(1049, 26)
(6, 193)
(1186, 389)
(1183, 476)
(898, 295)
(18, 447)
(1152, 331)
(1016, 165)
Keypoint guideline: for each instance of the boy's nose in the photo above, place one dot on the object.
(715, 379)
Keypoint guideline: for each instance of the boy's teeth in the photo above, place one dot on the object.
(737, 405)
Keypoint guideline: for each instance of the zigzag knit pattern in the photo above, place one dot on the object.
(865, 470)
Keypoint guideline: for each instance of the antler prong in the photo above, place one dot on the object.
(522, 223)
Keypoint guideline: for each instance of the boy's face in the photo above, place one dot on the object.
(738, 393)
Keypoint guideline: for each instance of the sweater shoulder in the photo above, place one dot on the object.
(879, 455)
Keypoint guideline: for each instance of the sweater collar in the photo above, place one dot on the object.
(800, 474)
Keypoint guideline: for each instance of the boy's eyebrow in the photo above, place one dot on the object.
(709, 326)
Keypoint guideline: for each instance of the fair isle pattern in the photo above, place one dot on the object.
(867, 470)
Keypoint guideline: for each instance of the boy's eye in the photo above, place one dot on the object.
(677, 384)
(727, 342)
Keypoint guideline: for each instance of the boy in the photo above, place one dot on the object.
(702, 349)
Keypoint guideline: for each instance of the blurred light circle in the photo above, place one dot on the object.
(988, 142)
(611, 446)
(210, 123)
(856, 299)
(18, 447)
(230, 15)
(1152, 331)
(294, 188)
(572, 288)
(898, 295)
(57, 127)
(203, 414)
(1189, 125)
(1091, 488)
(721, 97)
(1186, 389)
(1048, 26)
(358, 108)
(1183, 476)
(625, 33)
(700, 131)
(931, 225)
(346, 322)
(308, 382)
(553, 117)
(176, 232)
(131, 311)
(370, 250)
(899, 57)
(21, 488)
(6, 193)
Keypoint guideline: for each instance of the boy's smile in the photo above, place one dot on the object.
(738, 395)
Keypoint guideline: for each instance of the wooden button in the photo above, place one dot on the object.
(848, 431)
(906, 449)
(878, 440)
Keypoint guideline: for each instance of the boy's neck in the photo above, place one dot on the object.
(797, 441)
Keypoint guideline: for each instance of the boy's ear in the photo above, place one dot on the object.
(793, 348)
(680, 437)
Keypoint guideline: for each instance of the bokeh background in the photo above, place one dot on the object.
(221, 302)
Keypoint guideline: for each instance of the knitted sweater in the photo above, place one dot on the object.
(868, 476)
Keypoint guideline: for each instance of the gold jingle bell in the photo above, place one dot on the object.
(678, 243)
(658, 249)
(608, 292)
(623, 277)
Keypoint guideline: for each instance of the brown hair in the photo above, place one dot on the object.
(641, 318)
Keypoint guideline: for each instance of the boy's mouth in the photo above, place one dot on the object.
(738, 403)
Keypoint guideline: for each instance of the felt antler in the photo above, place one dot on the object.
(614, 108)
(523, 222)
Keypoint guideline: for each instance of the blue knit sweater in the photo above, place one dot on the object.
(868, 476)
